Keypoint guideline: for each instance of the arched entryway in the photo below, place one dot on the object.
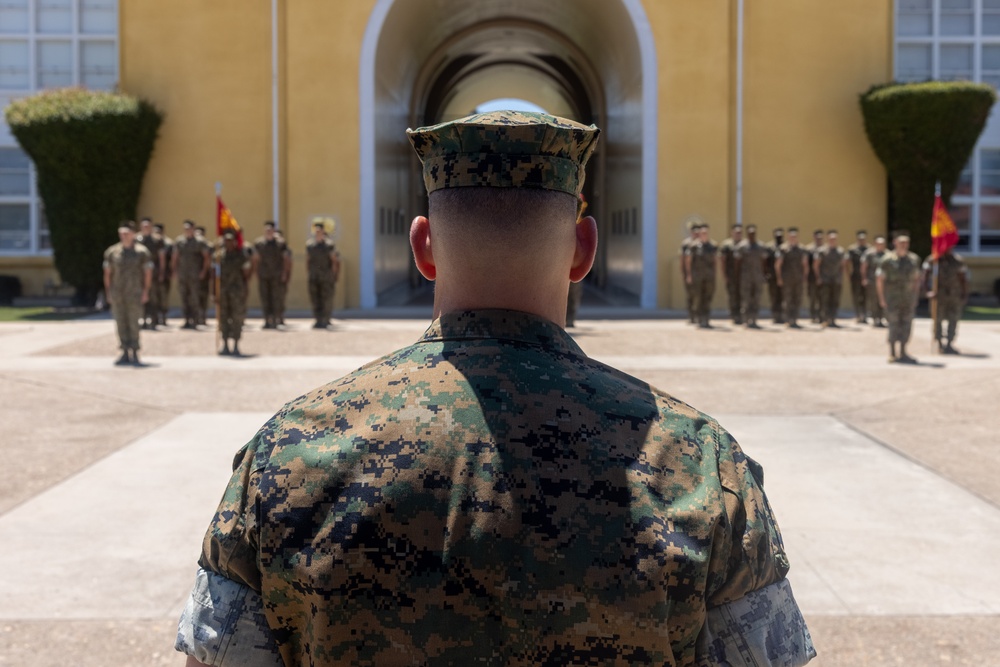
(425, 61)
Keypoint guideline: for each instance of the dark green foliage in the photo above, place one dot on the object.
(91, 150)
(923, 133)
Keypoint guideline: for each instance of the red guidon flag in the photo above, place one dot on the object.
(225, 222)
(944, 234)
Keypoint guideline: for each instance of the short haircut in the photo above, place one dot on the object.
(738, 226)
(831, 232)
(146, 218)
(879, 238)
(189, 223)
(779, 231)
(199, 228)
(477, 219)
(159, 227)
(817, 232)
(269, 223)
(861, 232)
(751, 228)
(793, 230)
(127, 224)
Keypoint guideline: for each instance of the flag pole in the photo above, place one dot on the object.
(217, 270)
(934, 279)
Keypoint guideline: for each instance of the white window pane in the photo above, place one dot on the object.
(956, 61)
(957, 24)
(55, 64)
(98, 17)
(14, 172)
(991, 24)
(14, 64)
(15, 227)
(54, 16)
(14, 16)
(44, 241)
(913, 62)
(909, 25)
(98, 67)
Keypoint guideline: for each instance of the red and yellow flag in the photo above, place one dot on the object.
(944, 234)
(225, 222)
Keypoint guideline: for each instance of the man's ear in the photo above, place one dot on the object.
(586, 249)
(420, 242)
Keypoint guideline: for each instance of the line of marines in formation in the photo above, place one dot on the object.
(139, 269)
(885, 285)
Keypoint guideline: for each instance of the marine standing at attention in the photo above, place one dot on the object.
(148, 238)
(727, 267)
(792, 267)
(323, 267)
(856, 256)
(233, 265)
(815, 310)
(491, 495)
(952, 292)
(162, 285)
(269, 266)
(190, 264)
(830, 265)
(128, 274)
(898, 281)
(750, 257)
(774, 290)
(870, 264)
(692, 224)
(701, 259)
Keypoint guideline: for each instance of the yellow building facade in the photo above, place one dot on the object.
(729, 110)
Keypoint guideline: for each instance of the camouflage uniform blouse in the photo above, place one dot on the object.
(128, 270)
(490, 495)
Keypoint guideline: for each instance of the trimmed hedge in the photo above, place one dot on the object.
(91, 150)
(923, 133)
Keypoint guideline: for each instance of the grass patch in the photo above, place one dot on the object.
(981, 313)
(41, 314)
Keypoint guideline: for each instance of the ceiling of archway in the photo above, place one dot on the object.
(442, 57)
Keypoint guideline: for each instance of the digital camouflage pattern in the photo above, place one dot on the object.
(491, 495)
(870, 264)
(950, 294)
(901, 279)
(703, 266)
(128, 268)
(505, 149)
(750, 260)
(232, 266)
(793, 276)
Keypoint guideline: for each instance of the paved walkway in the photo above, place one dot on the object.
(892, 544)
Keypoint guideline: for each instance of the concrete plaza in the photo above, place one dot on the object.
(883, 476)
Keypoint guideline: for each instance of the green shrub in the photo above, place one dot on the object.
(91, 150)
(923, 133)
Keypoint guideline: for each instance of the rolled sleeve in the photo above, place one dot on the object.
(223, 624)
(765, 628)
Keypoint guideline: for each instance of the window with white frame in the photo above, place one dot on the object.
(951, 40)
(46, 44)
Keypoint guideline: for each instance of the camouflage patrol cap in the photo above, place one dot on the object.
(505, 149)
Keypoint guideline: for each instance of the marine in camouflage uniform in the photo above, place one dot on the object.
(750, 267)
(269, 265)
(166, 273)
(701, 260)
(792, 267)
(815, 311)
(870, 264)
(323, 267)
(829, 265)
(689, 297)
(490, 495)
(190, 264)
(952, 291)
(774, 289)
(727, 261)
(128, 272)
(205, 285)
(233, 267)
(898, 281)
(286, 264)
(154, 244)
(856, 256)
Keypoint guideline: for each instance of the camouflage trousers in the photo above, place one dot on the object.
(690, 299)
(829, 301)
(899, 316)
(733, 291)
(703, 290)
(750, 299)
(127, 310)
(188, 288)
(875, 310)
(270, 297)
(792, 293)
(814, 303)
(232, 311)
(163, 287)
(204, 287)
(151, 309)
(859, 298)
(321, 297)
(777, 302)
(949, 312)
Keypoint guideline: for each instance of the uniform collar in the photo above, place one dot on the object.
(507, 325)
